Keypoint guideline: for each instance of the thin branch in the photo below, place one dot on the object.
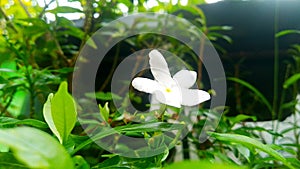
(4, 110)
(45, 7)
(25, 8)
(60, 52)
(108, 78)
(88, 11)
(8, 20)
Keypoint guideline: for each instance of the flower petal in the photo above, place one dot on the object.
(145, 85)
(159, 68)
(192, 97)
(154, 103)
(169, 98)
(185, 78)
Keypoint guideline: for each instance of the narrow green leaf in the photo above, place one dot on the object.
(294, 161)
(195, 10)
(104, 111)
(244, 152)
(286, 32)
(103, 96)
(35, 148)
(6, 70)
(64, 9)
(293, 79)
(215, 36)
(257, 128)
(251, 143)
(106, 132)
(150, 127)
(145, 127)
(33, 123)
(289, 105)
(60, 113)
(218, 28)
(48, 116)
(8, 121)
(91, 43)
(240, 118)
(252, 88)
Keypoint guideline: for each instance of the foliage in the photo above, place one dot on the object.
(202, 164)
(37, 149)
(60, 113)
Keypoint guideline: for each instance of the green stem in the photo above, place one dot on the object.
(276, 65)
(282, 99)
(161, 112)
(3, 111)
(44, 9)
(112, 70)
(31, 89)
(295, 132)
(88, 12)
(186, 148)
(9, 23)
(25, 8)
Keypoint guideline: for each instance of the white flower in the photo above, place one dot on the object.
(173, 91)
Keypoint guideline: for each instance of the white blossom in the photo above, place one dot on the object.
(173, 91)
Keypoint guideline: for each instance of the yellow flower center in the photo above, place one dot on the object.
(168, 90)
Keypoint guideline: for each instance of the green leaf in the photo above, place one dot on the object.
(7, 121)
(240, 118)
(218, 28)
(64, 9)
(293, 79)
(4, 148)
(145, 127)
(104, 96)
(106, 132)
(91, 43)
(257, 128)
(48, 115)
(244, 152)
(214, 36)
(73, 31)
(251, 143)
(60, 113)
(33, 26)
(150, 127)
(35, 148)
(286, 32)
(196, 11)
(202, 164)
(80, 163)
(7, 70)
(252, 88)
(104, 112)
(294, 161)
(112, 162)
(8, 161)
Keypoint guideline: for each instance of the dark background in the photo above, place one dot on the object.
(251, 55)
